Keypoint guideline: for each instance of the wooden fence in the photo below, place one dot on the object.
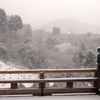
(42, 90)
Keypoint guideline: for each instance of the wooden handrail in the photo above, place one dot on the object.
(42, 80)
(49, 71)
(50, 80)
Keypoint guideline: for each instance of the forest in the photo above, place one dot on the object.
(38, 49)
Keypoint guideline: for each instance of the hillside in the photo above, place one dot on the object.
(67, 24)
(40, 49)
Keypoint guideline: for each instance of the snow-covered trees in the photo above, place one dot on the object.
(79, 58)
(56, 30)
(3, 17)
(87, 59)
(3, 52)
(15, 22)
(90, 59)
(27, 31)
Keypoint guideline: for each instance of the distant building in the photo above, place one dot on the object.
(69, 36)
(69, 33)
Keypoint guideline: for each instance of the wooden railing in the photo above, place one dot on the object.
(42, 80)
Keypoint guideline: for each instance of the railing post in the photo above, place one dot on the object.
(95, 83)
(42, 85)
(13, 85)
(69, 84)
(98, 69)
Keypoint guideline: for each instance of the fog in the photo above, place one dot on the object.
(50, 34)
(39, 12)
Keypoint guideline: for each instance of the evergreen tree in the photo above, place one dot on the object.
(90, 59)
(27, 30)
(79, 58)
(3, 17)
(15, 22)
(56, 30)
(83, 47)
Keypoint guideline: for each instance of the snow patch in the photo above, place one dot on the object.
(51, 84)
(12, 67)
(64, 46)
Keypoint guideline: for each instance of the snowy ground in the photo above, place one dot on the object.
(68, 97)
(11, 67)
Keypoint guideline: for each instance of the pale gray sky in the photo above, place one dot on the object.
(38, 12)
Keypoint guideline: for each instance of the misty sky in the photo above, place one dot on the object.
(38, 12)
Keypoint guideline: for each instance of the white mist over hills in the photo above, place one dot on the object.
(70, 25)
